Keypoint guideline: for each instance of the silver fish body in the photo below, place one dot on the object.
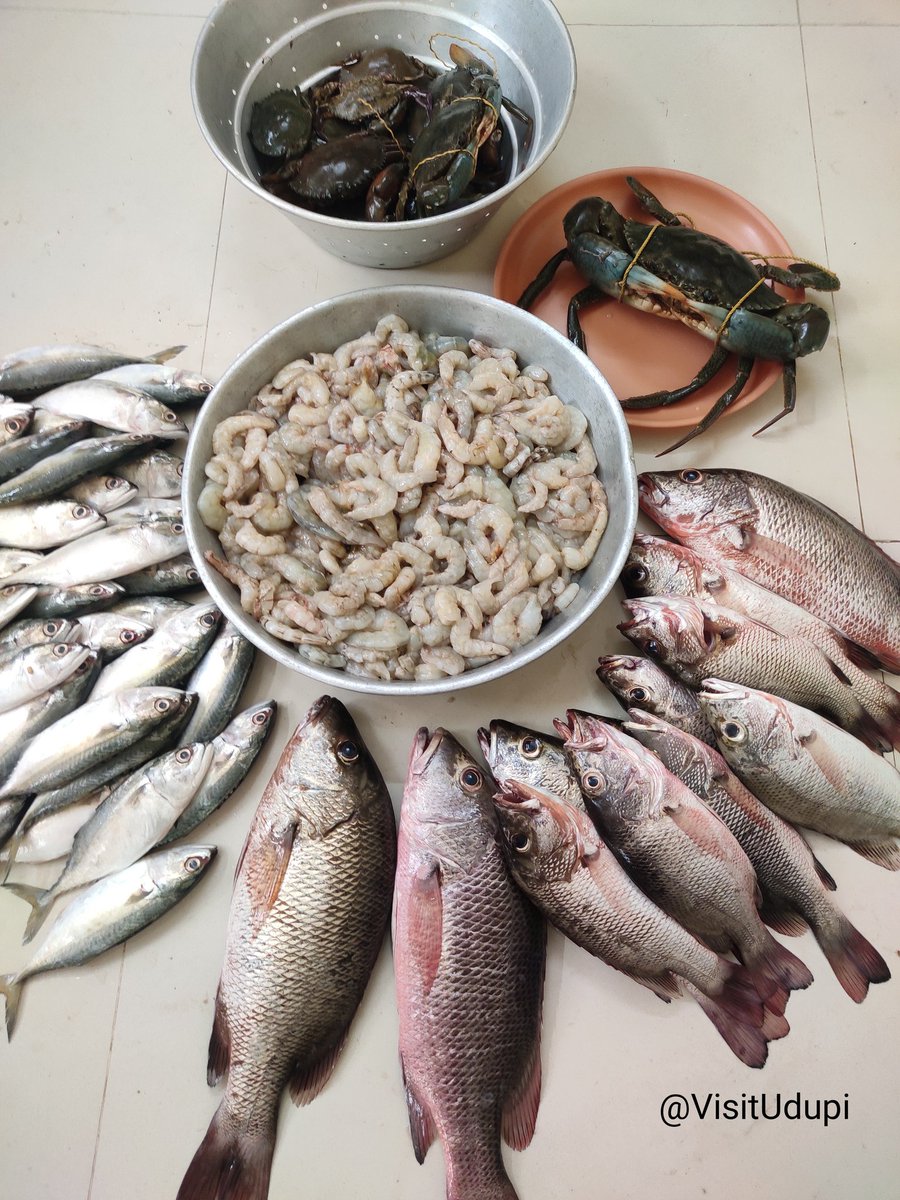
(168, 384)
(15, 420)
(24, 452)
(147, 509)
(112, 633)
(109, 912)
(105, 493)
(112, 406)
(642, 683)
(789, 543)
(807, 770)
(173, 574)
(35, 631)
(796, 887)
(105, 555)
(157, 474)
(309, 911)
(50, 601)
(469, 966)
(150, 610)
(217, 682)
(13, 599)
(52, 475)
(43, 525)
(560, 862)
(36, 669)
(515, 753)
(167, 657)
(695, 639)
(234, 751)
(98, 730)
(51, 837)
(39, 368)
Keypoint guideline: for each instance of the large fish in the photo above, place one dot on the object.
(659, 567)
(309, 911)
(514, 752)
(809, 771)
(682, 855)
(796, 887)
(787, 542)
(695, 639)
(558, 859)
(37, 368)
(642, 683)
(469, 965)
(108, 913)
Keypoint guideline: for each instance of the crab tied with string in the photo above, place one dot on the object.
(675, 271)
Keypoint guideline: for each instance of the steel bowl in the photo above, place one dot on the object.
(247, 48)
(447, 311)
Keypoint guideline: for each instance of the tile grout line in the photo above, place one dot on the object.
(112, 1036)
(825, 239)
(212, 282)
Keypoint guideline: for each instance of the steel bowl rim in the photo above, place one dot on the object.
(222, 592)
(343, 223)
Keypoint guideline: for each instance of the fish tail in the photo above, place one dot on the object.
(230, 1163)
(12, 990)
(853, 958)
(10, 850)
(40, 901)
(776, 968)
(738, 1014)
(163, 356)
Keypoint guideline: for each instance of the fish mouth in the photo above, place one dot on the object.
(581, 730)
(487, 742)
(514, 794)
(638, 719)
(425, 746)
(615, 662)
(651, 494)
(720, 689)
(315, 712)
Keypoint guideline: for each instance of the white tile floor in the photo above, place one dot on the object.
(117, 225)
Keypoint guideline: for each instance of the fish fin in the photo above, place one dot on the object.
(426, 923)
(824, 758)
(270, 862)
(836, 670)
(40, 901)
(775, 1024)
(853, 958)
(700, 824)
(421, 1123)
(163, 356)
(521, 1111)
(859, 655)
(717, 628)
(11, 989)
(308, 1079)
(885, 854)
(782, 919)
(776, 964)
(219, 1059)
(229, 1164)
(824, 875)
(738, 1015)
(774, 553)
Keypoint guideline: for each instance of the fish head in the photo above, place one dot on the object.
(670, 629)
(179, 868)
(447, 801)
(679, 751)
(658, 567)
(637, 681)
(543, 837)
(692, 503)
(178, 774)
(619, 779)
(76, 519)
(156, 703)
(199, 621)
(516, 752)
(750, 726)
(190, 383)
(251, 727)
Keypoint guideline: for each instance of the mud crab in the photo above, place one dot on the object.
(681, 273)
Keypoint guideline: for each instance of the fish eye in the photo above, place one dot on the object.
(636, 573)
(204, 387)
(520, 841)
(593, 781)
(162, 705)
(179, 470)
(14, 424)
(193, 864)
(51, 628)
(347, 752)
(531, 746)
(169, 416)
(177, 527)
(208, 619)
(60, 649)
(185, 754)
(638, 694)
(260, 718)
(113, 483)
(193, 575)
(733, 731)
(692, 475)
(98, 590)
(471, 779)
(81, 510)
(127, 636)
(653, 648)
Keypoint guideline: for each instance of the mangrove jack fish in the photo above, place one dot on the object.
(658, 567)
(169, 654)
(808, 770)
(131, 820)
(36, 669)
(560, 862)
(157, 474)
(97, 730)
(108, 913)
(44, 524)
(53, 474)
(105, 493)
(112, 406)
(514, 752)
(234, 751)
(789, 543)
(24, 452)
(695, 639)
(796, 888)
(38, 368)
(642, 683)
(309, 911)
(469, 965)
(165, 383)
(217, 682)
(110, 553)
(682, 855)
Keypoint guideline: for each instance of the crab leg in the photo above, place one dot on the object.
(728, 398)
(574, 332)
(542, 279)
(713, 364)
(651, 203)
(790, 394)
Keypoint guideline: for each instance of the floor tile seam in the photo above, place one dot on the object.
(212, 282)
(112, 1038)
